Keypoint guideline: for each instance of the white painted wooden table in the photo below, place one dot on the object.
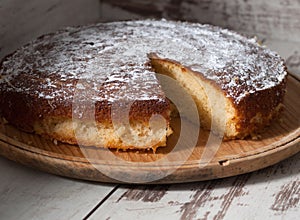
(271, 193)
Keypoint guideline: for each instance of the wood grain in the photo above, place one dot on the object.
(288, 196)
(278, 142)
(248, 196)
(30, 194)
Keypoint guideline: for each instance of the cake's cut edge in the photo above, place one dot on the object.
(217, 111)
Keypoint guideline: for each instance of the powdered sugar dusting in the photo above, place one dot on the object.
(112, 57)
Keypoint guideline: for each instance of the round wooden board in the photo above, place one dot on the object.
(279, 141)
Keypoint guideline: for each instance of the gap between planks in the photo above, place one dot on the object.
(102, 201)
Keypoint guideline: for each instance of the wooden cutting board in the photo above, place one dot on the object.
(279, 141)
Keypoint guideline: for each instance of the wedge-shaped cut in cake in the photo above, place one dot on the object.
(218, 111)
(96, 85)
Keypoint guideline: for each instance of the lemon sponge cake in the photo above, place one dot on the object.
(53, 84)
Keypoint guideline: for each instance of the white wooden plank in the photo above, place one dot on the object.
(29, 194)
(21, 21)
(272, 193)
(275, 19)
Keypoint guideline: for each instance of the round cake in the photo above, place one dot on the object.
(44, 84)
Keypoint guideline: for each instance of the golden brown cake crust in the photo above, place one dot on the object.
(40, 79)
(24, 115)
